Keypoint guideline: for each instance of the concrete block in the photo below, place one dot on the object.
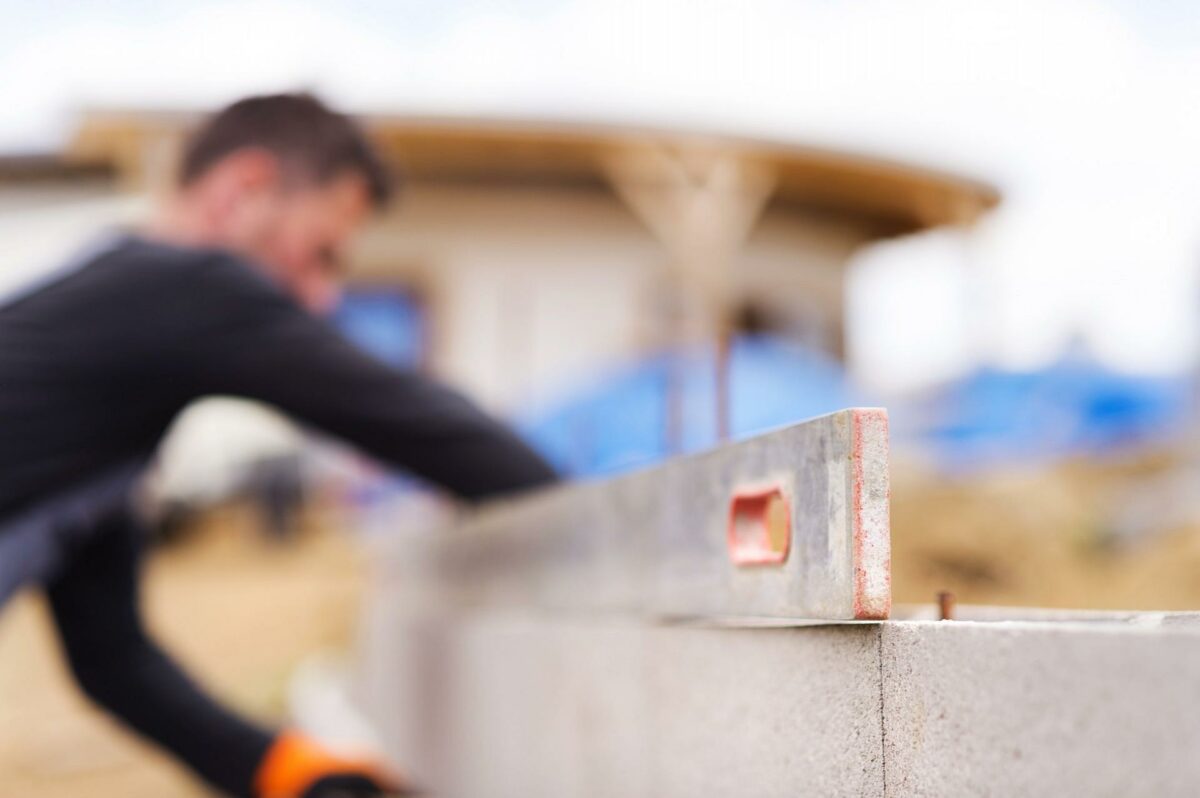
(1042, 709)
(766, 712)
(503, 704)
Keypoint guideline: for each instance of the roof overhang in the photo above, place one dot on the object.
(893, 197)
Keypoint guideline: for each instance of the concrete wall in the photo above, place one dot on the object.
(504, 704)
(537, 646)
(1049, 708)
(500, 704)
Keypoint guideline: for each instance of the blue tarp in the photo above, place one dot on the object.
(619, 420)
(385, 322)
(1074, 407)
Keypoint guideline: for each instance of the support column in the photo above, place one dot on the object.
(700, 203)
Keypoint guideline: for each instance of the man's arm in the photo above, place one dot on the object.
(247, 339)
(96, 608)
(95, 605)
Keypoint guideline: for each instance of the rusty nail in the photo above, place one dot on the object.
(945, 600)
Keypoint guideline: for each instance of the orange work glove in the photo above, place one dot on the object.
(296, 766)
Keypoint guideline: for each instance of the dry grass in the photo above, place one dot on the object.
(1043, 537)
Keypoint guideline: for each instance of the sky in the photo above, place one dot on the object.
(1086, 115)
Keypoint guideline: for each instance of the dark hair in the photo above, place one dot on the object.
(312, 141)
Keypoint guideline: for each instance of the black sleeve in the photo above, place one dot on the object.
(245, 338)
(95, 605)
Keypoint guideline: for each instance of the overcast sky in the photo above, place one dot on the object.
(1085, 114)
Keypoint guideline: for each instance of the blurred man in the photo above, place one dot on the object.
(219, 296)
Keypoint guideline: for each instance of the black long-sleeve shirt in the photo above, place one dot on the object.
(95, 363)
(95, 599)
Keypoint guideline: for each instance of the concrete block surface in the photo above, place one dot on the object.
(500, 704)
(1040, 709)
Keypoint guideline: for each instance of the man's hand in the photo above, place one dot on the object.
(298, 767)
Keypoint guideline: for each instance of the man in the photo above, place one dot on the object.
(218, 296)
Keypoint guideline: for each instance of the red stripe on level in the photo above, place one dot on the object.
(872, 536)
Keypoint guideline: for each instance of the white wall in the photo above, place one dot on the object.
(42, 226)
(526, 288)
(531, 289)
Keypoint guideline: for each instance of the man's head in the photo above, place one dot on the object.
(283, 181)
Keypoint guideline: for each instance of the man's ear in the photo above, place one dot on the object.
(245, 172)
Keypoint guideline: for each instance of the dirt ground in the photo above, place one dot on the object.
(239, 611)
(1051, 536)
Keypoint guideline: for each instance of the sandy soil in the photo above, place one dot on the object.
(1050, 536)
(240, 612)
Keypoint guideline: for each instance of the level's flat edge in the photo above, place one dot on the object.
(655, 542)
(871, 516)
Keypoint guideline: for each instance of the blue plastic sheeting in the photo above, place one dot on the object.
(1073, 408)
(386, 322)
(620, 419)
